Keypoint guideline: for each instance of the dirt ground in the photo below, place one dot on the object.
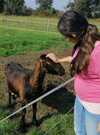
(60, 101)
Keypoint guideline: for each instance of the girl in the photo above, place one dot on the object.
(85, 67)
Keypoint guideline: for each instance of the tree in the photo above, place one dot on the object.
(1, 5)
(95, 2)
(70, 5)
(14, 6)
(83, 7)
(44, 4)
(89, 8)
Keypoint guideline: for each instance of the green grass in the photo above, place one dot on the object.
(56, 125)
(14, 41)
(59, 125)
(17, 36)
(7, 127)
(23, 34)
(32, 23)
(35, 22)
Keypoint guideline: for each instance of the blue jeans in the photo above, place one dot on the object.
(85, 123)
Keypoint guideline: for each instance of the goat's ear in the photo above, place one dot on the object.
(43, 56)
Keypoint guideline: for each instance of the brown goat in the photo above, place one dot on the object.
(27, 84)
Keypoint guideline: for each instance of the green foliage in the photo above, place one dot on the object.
(95, 9)
(35, 131)
(1, 5)
(45, 6)
(28, 11)
(96, 2)
(59, 125)
(83, 7)
(70, 5)
(7, 128)
(14, 7)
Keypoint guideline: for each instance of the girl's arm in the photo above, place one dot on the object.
(65, 59)
(59, 60)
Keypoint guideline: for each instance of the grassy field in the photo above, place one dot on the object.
(19, 35)
(30, 23)
(56, 125)
(16, 40)
(20, 39)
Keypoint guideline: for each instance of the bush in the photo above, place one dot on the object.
(28, 11)
(48, 12)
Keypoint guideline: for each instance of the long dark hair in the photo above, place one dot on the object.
(87, 34)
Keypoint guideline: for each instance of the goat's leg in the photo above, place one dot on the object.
(22, 121)
(34, 119)
(9, 98)
(9, 95)
(10, 105)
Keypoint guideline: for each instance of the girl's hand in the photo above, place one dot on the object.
(53, 57)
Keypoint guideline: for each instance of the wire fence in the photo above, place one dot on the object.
(31, 23)
(45, 25)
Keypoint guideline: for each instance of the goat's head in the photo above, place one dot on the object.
(51, 66)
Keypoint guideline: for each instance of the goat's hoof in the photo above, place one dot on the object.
(35, 123)
(9, 105)
(22, 130)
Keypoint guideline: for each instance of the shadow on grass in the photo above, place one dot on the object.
(62, 100)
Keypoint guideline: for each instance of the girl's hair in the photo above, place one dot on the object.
(86, 34)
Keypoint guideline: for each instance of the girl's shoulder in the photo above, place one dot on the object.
(96, 50)
(97, 43)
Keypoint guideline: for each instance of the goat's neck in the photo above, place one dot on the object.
(38, 75)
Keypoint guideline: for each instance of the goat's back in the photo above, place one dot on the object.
(13, 68)
(16, 75)
(17, 69)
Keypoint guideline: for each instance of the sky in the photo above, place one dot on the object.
(57, 4)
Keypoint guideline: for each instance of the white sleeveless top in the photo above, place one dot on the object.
(91, 107)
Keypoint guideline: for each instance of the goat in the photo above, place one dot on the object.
(27, 84)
